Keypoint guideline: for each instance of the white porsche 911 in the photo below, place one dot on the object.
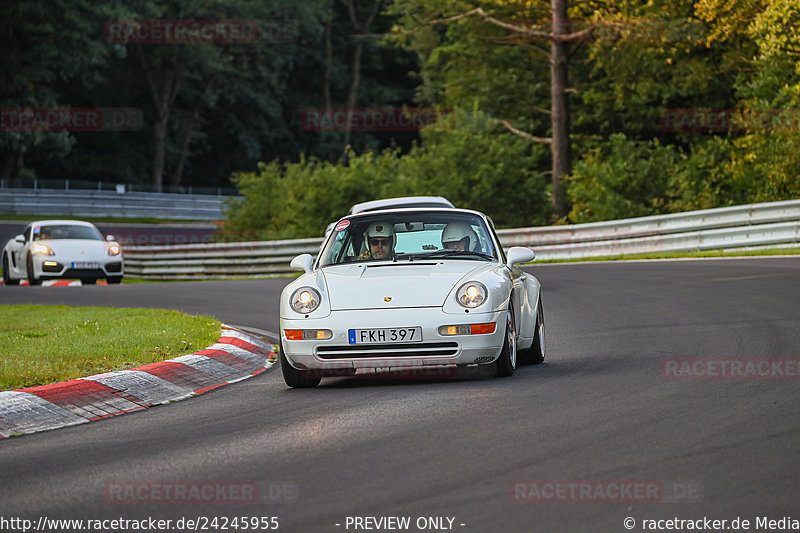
(410, 288)
(56, 249)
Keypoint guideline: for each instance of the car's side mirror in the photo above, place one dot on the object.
(20, 239)
(519, 254)
(302, 262)
(110, 238)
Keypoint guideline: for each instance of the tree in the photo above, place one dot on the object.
(187, 77)
(37, 65)
(515, 30)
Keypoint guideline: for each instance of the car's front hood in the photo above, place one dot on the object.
(78, 249)
(392, 285)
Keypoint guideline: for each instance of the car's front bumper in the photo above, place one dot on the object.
(54, 267)
(434, 349)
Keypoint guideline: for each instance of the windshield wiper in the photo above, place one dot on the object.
(452, 253)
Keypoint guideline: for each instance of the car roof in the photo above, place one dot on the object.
(395, 211)
(400, 203)
(65, 222)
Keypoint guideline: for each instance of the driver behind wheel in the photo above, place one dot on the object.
(379, 239)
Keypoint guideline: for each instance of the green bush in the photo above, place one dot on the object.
(623, 178)
(470, 164)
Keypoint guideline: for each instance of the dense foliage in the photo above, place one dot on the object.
(674, 104)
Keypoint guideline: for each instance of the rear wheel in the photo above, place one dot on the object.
(32, 279)
(7, 273)
(297, 378)
(535, 354)
(507, 362)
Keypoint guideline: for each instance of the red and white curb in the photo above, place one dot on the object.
(235, 357)
(58, 282)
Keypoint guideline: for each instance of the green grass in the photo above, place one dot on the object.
(41, 344)
(676, 255)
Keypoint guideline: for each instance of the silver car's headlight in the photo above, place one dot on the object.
(39, 248)
(471, 294)
(304, 300)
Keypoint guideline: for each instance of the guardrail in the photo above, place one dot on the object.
(215, 261)
(100, 203)
(774, 224)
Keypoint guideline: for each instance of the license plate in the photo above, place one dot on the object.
(85, 265)
(385, 335)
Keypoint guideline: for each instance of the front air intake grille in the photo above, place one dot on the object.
(484, 359)
(422, 349)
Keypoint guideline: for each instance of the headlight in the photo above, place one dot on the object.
(114, 249)
(39, 248)
(471, 294)
(304, 300)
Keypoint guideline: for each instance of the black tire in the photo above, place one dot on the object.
(535, 354)
(507, 362)
(6, 274)
(297, 378)
(113, 280)
(31, 279)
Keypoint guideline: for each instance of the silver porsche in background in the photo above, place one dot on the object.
(62, 249)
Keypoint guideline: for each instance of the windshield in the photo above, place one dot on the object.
(409, 236)
(65, 231)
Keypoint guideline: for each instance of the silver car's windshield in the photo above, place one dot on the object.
(65, 231)
(409, 236)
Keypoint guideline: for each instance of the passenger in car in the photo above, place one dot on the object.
(459, 236)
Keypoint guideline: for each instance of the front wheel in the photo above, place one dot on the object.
(507, 362)
(7, 279)
(113, 280)
(32, 279)
(297, 378)
(535, 354)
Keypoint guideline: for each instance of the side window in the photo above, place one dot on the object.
(336, 248)
(483, 245)
(342, 249)
(27, 233)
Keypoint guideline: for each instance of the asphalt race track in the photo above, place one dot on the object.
(598, 433)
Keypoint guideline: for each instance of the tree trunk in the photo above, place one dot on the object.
(163, 92)
(355, 63)
(8, 166)
(326, 78)
(159, 149)
(352, 93)
(560, 147)
(187, 135)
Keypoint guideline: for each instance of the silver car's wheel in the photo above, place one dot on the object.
(507, 362)
(32, 279)
(7, 273)
(535, 354)
(297, 378)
